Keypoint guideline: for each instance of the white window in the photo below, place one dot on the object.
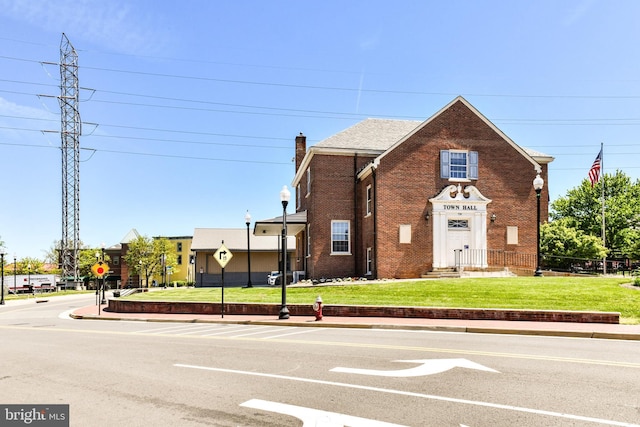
(369, 196)
(512, 235)
(340, 237)
(369, 261)
(298, 196)
(405, 233)
(308, 240)
(458, 224)
(458, 164)
(308, 181)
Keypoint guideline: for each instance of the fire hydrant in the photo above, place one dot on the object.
(317, 308)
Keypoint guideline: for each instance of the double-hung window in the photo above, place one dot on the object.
(369, 200)
(458, 164)
(340, 237)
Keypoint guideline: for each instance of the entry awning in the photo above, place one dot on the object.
(296, 223)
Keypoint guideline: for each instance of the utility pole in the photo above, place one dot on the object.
(70, 133)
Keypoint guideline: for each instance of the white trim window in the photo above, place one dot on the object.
(369, 261)
(458, 164)
(458, 224)
(369, 200)
(308, 241)
(308, 181)
(340, 237)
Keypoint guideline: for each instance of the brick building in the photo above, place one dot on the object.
(400, 199)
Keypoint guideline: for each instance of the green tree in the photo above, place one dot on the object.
(562, 244)
(28, 265)
(148, 256)
(87, 258)
(581, 209)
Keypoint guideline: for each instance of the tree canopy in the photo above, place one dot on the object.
(581, 209)
(149, 256)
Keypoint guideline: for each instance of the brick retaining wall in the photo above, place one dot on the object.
(126, 306)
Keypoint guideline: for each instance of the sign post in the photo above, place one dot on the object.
(100, 268)
(223, 255)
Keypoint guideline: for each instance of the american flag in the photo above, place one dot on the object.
(594, 172)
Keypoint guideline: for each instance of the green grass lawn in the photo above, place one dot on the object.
(544, 293)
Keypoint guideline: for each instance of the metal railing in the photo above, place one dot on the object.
(485, 258)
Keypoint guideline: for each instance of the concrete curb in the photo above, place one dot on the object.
(412, 327)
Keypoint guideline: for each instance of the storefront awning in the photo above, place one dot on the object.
(296, 223)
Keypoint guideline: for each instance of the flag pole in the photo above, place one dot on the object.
(604, 241)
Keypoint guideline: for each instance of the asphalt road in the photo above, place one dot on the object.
(115, 373)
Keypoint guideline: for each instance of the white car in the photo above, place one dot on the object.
(272, 277)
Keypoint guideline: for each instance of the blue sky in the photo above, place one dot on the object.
(190, 108)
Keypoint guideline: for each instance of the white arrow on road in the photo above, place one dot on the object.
(314, 417)
(425, 367)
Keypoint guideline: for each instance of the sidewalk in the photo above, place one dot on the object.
(564, 329)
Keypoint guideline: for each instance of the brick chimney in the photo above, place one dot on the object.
(301, 149)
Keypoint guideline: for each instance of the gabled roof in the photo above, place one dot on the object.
(460, 99)
(370, 134)
(380, 136)
(131, 235)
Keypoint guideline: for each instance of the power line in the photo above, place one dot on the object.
(336, 88)
(99, 150)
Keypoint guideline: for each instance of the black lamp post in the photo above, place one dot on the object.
(29, 275)
(247, 220)
(140, 274)
(2, 277)
(164, 270)
(15, 264)
(201, 277)
(284, 198)
(538, 183)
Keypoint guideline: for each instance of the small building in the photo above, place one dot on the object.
(120, 274)
(264, 250)
(183, 271)
(402, 199)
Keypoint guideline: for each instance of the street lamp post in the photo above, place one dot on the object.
(284, 198)
(201, 277)
(538, 183)
(29, 275)
(2, 277)
(247, 220)
(164, 270)
(15, 264)
(140, 274)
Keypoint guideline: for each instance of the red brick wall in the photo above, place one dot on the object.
(406, 179)
(410, 175)
(332, 198)
(128, 306)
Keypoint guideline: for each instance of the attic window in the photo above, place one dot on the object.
(458, 164)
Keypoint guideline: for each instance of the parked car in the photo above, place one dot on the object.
(275, 278)
(271, 278)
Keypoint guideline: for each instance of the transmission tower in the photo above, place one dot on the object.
(70, 134)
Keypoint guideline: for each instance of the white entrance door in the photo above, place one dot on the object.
(458, 238)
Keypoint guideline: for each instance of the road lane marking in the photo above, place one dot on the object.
(596, 362)
(229, 331)
(414, 394)
(314, 417)
(166, 329)
(256, 330)
(303, 331)
(425, 367)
